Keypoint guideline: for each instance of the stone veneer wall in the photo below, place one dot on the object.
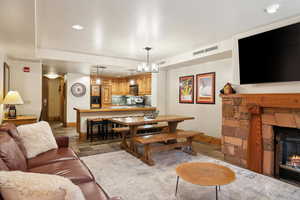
(236, 128)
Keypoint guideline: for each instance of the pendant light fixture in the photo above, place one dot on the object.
(98, 78)
(148, 67)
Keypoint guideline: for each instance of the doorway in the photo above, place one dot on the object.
(53, 100)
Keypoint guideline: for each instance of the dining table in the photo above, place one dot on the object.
(134, 122)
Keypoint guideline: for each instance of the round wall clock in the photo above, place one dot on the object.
(78, 89)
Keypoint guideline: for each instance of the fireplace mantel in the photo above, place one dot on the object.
(247, 123)
(282, 100)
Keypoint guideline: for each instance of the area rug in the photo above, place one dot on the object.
(121, 174)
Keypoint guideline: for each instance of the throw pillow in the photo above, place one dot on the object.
(16, 185)
(37, 138)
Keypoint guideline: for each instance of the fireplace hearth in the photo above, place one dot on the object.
(287, 154)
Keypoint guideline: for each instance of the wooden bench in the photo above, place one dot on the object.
(165, 137)
(125, 130)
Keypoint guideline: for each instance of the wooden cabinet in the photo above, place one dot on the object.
(106, 95)
(95, 96)
(115, 87)
(144, 82)
(120, 86)
(148, 82)
(140, 84)
(21, 120)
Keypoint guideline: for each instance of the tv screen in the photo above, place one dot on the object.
(272, 56)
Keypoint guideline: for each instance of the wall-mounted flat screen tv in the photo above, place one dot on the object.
(272, 56)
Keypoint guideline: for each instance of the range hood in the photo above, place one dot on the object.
(134, 90)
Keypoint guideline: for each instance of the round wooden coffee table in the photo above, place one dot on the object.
(204, 174)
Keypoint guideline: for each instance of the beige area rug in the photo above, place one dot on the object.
(121, 174)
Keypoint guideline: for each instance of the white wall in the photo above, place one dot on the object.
(158, 97)
(208, 118)
(28, 84)
(77, 102)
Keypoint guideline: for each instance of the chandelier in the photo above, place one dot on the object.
(148, 67)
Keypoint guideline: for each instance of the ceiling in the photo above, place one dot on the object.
(122, 28)
(17, 26)
(62, 67)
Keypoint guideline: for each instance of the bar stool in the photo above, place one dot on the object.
(100, 123)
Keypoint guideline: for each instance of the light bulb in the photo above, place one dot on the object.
(98, 81)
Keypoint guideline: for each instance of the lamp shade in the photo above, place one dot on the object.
(13, 98)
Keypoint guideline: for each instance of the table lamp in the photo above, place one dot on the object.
(12, 98)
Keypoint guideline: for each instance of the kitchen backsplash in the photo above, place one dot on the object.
(147, 100)
(131, 100)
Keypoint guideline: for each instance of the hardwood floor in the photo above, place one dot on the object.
(87, 148)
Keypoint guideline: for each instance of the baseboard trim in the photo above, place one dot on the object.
(71, 124)
(208, 139)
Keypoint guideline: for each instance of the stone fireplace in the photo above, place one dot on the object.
(249, 125)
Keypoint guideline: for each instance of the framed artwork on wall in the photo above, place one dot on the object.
(205, 88)
(6, 80)
(186, 89)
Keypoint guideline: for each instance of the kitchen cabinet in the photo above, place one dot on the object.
(106, 95)
(148, 82)
(124, 86)
(95, 96)
(139, 82)
(115, 87)
(120, 86)
(144, 83)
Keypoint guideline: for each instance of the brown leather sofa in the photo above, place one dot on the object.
(62, 161)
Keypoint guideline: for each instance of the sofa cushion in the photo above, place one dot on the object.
(16, 185)
(11, 129)
(37, 138)
(11, 154)
(74, 170)
(52, 156)
(92, 191)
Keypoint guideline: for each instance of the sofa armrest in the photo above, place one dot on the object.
(62, 141)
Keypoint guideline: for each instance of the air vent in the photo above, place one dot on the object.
(162, 63)
(211, 48)
(205, 50)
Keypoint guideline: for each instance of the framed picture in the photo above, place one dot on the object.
(186, 89)
(6, 80)
(205, 88)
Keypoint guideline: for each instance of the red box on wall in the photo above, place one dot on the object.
(26, 69)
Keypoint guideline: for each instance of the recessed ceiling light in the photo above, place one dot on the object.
(271, 9)
(77, 27)
(52, 75)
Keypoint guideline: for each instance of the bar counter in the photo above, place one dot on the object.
(108, 112)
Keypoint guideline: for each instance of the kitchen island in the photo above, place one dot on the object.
(108, 112)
